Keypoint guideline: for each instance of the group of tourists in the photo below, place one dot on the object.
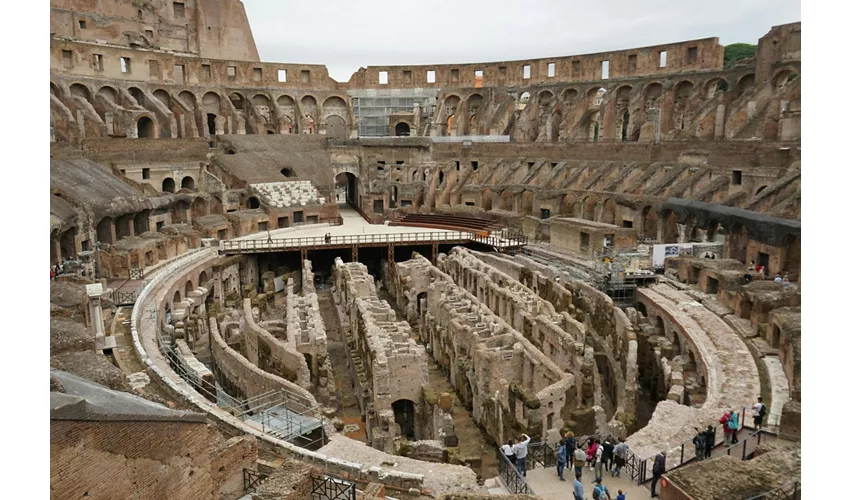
(785, 281)
(731, 423)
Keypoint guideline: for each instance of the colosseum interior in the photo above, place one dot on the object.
(270, 284)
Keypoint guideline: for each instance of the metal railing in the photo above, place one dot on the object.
(330, 488)
(514, 481)
(127, 298)
(251, 479)
(278, 244)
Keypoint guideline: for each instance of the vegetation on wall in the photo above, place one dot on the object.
(737, 51)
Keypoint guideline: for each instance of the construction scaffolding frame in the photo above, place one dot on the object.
(373, 107)
(614, 274)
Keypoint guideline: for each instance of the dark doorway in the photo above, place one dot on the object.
(347, 183)
(544, 213)
(253, 203)
(211, 123)
(145, 128)
(625, 126)
(712, 286)
(168, 185)
(764, 261)
(405, 411)
(402, 129)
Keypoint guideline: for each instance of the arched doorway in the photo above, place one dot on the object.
(402, 129)
(104, 230)
(168, 185)
(253, 202)
(336, 127)
(211, 123)
(346, 188)
(189, 287)
(187, 183)
(144, 128)
(404, 412)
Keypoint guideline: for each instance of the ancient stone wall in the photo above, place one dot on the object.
(394, 367)
(275, 356)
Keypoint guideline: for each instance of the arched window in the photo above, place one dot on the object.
(402, 129)
(187, 183)
(168, 185)
(144, 128)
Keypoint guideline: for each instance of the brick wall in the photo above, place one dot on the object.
(140, 460)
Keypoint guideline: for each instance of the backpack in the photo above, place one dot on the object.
(601, 493)
(763, 411)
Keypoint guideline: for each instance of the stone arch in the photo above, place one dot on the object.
(176, 298)
(714, 86)
(212, 103)
(188, 99)
(309, 112)
(289, 113)
(335, 104)
(569, 95)
(168, 185)
(238, 101)
(404, 411)
(474, 103)
(140, 222)
(346, 188)
(199, 207)
(108, 93)
(104, 231)
(80, 90)
(681, 97)
(145, 128)
(546, 99)
(138, 95)
(253, 203)
(487, 199)
(760, 189)
(671, 228)
(783, 76)
(609, 211)
(203, 279)
(55, 91)
(743, 84)
(402, 129)
(336, 127)
(450, 104)
(738, 242)
(651, 94)
(187, 183)
(189, 287)
(163, 96)
(527, 203)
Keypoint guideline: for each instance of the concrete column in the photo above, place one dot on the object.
(101, 341)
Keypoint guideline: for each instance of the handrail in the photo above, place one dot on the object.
(514, 481)
(791, 491)
(360, 239)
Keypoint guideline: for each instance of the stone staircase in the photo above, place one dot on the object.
(289, 194)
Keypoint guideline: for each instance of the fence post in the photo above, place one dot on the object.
(682, 458)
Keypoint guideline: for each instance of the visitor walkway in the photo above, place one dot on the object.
(355, 231)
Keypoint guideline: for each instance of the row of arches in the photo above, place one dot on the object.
(169, 184)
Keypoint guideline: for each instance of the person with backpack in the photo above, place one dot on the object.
(597, 469)
(578, 488)
(760, 411)
(735, 424)
(561, 453)
(699, 445)
(726, 421)
(600, 491)
(607, 455)
(580, 458)
(591, 452)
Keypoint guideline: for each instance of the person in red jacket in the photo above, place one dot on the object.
(726, 421)
(591, 452)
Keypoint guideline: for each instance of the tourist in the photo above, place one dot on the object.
(752, 266)
(726, 421)
(607, 454)
(778, 278)
(521, 451)
(621, 495)
(578, 488)
(562, 459)
(786, 281)
(580, 458)
(699, 445)
(597, 469)
(600, 491)
(591, 452)
(710, 438)
(621, 452)
(759, 411)
(508, 450)
(735, 425)
(52, 275)
(658, 468)
(570, 443)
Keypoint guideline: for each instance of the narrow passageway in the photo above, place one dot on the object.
(348, 410)
(472, 440)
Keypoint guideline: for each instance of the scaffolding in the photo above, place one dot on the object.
(373, 107)
(619, 274)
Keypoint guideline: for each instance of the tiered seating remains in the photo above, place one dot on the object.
(452, 222)
(289, 194)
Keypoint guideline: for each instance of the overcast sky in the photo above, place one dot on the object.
(345, 35)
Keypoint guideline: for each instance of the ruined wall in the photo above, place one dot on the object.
(393, 366)
(244, 379)
(270, 354)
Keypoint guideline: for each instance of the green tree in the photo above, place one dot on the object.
(737, 51)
